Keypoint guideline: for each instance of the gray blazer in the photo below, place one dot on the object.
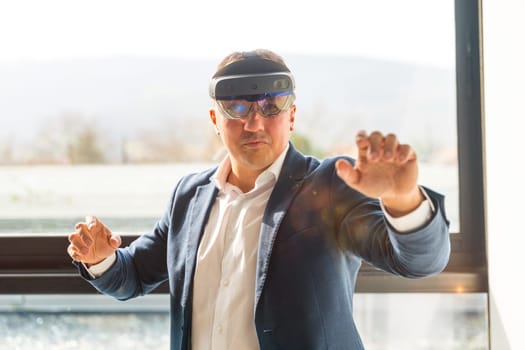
(314, 234)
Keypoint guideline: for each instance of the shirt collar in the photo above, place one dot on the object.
(220, 176)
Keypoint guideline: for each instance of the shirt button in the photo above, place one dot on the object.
(226, 282)
(219, 329)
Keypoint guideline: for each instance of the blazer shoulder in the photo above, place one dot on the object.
(196, 179)
(188, 184)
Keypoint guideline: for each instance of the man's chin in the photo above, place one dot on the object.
(258, 163)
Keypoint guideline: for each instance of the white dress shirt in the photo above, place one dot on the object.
(224, 280)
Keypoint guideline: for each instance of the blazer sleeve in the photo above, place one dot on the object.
(139, 268)
(364, 230)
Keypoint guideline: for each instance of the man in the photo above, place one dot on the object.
(263, 251)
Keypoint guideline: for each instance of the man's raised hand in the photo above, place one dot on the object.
(92, 242)
(384, 169)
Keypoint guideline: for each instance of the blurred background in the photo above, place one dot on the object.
(104, 106)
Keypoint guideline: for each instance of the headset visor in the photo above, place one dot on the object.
(251, 85)
(268, 105)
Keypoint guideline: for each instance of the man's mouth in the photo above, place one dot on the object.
(254, 142)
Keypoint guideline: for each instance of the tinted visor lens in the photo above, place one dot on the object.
(267, 105)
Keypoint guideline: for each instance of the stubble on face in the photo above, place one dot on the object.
(255, 150)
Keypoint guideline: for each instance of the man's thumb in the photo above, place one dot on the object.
(115, 241)
(346, 172)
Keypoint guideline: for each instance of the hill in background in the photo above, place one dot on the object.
(142, 108)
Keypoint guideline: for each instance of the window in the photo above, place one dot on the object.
(105, 118)
(444, 321)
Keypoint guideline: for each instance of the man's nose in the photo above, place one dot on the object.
(255, 122)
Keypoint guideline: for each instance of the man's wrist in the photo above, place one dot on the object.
(97, 270)
(415, 219)
(402, 205)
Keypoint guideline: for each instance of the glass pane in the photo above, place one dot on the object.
(83, 322)
(103, 119)
(422, 321)
(385, 321)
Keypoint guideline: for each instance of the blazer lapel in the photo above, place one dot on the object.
(198, 216)
(287, 186)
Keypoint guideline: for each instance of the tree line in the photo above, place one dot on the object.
(74, 138)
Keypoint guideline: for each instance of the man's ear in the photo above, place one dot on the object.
(292, 116)
(213, 117)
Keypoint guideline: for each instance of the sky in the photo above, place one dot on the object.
(415, 31)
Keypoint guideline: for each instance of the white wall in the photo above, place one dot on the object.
(504, 58)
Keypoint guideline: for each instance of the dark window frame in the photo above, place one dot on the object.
(39, 264)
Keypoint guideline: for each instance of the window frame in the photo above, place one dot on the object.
(39, 264)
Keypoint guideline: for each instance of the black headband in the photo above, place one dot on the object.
(252, 76)
(251, 65)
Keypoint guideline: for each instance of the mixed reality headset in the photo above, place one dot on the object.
(253, 84)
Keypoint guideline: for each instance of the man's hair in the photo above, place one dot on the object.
(239, 56)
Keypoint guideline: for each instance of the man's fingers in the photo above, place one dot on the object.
(405, 153)
(84, 233)
(371, 147)
(362, 143)
(376, 147)
(391, 147)
(93, 224)
(73, 253)
(106, 234)
(97, 230)
(78, 243)
(96, 227)
(92, 241)
(361, 140)
(375, 151)
(115, 241)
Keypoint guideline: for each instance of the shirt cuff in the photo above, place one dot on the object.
(413, 220)
(98, 270)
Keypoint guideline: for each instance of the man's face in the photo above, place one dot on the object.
(254, 143)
